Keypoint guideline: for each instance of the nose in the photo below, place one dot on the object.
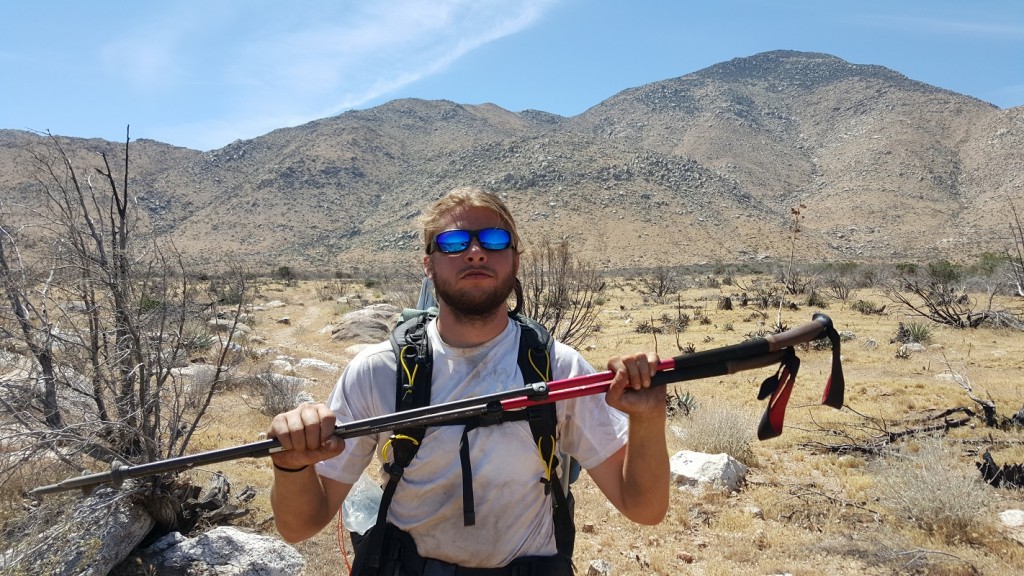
(475, 252)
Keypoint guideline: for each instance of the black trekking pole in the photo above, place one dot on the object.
(755, 353)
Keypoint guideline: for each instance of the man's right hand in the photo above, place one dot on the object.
(306, 435)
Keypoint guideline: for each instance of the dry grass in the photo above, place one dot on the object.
(715, 427)
(804, 510)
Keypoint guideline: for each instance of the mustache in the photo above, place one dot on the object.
(473, 269)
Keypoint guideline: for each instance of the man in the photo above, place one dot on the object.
(472, 257)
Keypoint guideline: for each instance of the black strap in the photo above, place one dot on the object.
(468, 506)
(535, 361)
(414, 365)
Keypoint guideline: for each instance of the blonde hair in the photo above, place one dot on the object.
(466, 197)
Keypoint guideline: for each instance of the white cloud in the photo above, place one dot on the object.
(350, 57)
(373, 52)
(294, 68)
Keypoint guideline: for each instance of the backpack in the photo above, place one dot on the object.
(414, 369)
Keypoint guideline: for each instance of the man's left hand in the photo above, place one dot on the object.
(631, 390)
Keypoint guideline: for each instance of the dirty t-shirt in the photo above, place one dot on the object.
(513, 516)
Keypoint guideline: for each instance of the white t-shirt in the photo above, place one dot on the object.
(513, 516)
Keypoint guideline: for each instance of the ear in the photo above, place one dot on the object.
(428, 267)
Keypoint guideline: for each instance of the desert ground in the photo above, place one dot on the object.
(887, 485)
(817, 500)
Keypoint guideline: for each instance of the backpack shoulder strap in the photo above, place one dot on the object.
(535, 364)
(415, 363)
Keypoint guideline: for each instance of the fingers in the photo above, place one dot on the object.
(630, 389)
(306, 435)
(634, 371)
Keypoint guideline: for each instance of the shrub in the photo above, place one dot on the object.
(927, 484)
(561, 291)
(661, 282)
(678, 324)
(816, 300)
(286, 274)
(330, 290)
(646, 327)
(919, 332)
(867, 307)
(715, 427)
(913, 332)
(277, 393)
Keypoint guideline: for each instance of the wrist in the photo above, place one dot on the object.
(289, 470)
(654, 420)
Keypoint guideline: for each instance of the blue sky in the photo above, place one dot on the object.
(203, 73)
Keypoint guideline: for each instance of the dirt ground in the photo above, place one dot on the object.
(807, 506)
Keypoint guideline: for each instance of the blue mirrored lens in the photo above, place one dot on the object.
(494, 238)
(455, 241)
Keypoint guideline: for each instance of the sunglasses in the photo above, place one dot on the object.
(455, 241)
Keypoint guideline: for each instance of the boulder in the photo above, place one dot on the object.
(696, 469)
(370, 324)
(95, 534)
(315, 364)
(284, 382)
(223, 551)
(225, 325)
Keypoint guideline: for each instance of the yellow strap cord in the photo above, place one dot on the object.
(549, 462)
(405, 367)
(384, 450)
(547, 367)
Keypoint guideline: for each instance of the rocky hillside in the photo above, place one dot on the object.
(701, 168)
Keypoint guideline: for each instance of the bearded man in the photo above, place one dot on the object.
(472, 253)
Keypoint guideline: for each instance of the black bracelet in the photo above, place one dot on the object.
(283, 469)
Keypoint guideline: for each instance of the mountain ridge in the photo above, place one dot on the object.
(705, 167)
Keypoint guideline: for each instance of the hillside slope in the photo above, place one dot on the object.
(701, 168)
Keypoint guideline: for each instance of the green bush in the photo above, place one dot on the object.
(149, 304)
(286, 275)
(945, 272)
(913, 332)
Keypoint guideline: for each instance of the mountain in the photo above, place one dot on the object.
(705, 167)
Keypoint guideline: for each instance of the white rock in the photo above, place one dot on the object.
(1012, 518)
(316, 364)
(282, 367)
(691, 469)
(599, 568)
(228, 551)
(909, 347)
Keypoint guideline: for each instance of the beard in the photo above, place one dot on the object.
(474, 303)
